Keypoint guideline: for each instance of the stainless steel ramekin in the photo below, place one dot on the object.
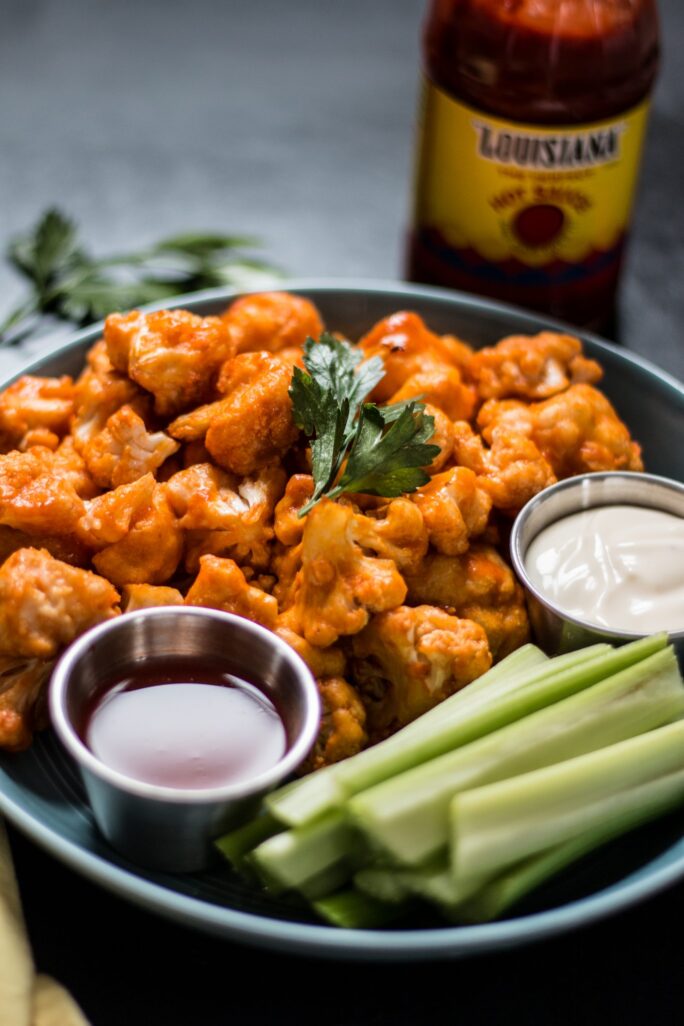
(555, 630)
(162, 827)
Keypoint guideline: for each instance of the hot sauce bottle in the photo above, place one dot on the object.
(532, 124)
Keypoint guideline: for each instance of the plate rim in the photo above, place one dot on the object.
(322, 940)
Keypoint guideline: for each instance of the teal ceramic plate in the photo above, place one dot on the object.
(41, 793)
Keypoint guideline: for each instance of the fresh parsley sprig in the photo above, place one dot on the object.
(357, 446)
(68, 282)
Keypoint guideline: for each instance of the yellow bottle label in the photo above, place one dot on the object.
(514, 191)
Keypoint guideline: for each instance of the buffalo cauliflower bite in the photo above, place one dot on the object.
(394, 531)
(288, 525)
(45, 604)
(338, 587)
(507, 626)
(532, 366)
(221, 584)
(150, 550)
(478, 576)
(148, 596)
(33, 408)
(343, 725)
(109, 517)
(34, 496)
(455, 508)
(441, 386)
(125, 450)
(512, 471)
(174, 354)
(224, 515)
(21, 691)
(477, 586)
(271, 321)
(442, 437)
(253, 425)
(99, 392)
(323, 662)
(579, 431)
(409, 659)
(407, 347)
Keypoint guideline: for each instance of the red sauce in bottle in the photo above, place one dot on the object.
(184, 725)
(533, 117)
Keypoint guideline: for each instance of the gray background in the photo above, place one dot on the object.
(293, 121)
(290, 120)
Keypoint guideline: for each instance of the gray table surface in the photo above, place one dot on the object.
(292, 121)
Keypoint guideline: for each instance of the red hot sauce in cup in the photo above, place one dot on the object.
(532, 123)
(184, 725)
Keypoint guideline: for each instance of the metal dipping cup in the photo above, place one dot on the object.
(554, 629)
(166, 828)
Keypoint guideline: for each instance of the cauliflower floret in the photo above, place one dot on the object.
(513, 470)
(286, 563)
(442, 436)
(125, 450)
(579, 431)
(407, 347)
(45, 604)
(224, 515)
(477, 586)
(109, 517)
(455, 508)
(532, 366)
(408, 660)
(337, 587)
(34, 405)
(99, 392)
(395, 531)
(254, 425)
(441, 386)
(272, 321)
(343, 725)
(323, 662)
(34, 496)
(221, 584)
(67, 463)
(21, 690)
(148, 596)
(507, 626)
(288, 526)
(479, 576)
(174, 354)
(150, 550)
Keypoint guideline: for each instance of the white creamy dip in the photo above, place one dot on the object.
(620, 567)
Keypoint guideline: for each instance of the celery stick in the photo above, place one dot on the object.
(296, 859)
(383, 883)
(354, 911)
(301, 801)
(495, 826)
(657, 798)
(434, 883)
(407, 817)
(462, 717)
(238, 843)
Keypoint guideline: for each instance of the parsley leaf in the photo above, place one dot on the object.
(67, 282)
(388, 453)
(384, 447)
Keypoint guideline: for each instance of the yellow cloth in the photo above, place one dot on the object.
(26, 999)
